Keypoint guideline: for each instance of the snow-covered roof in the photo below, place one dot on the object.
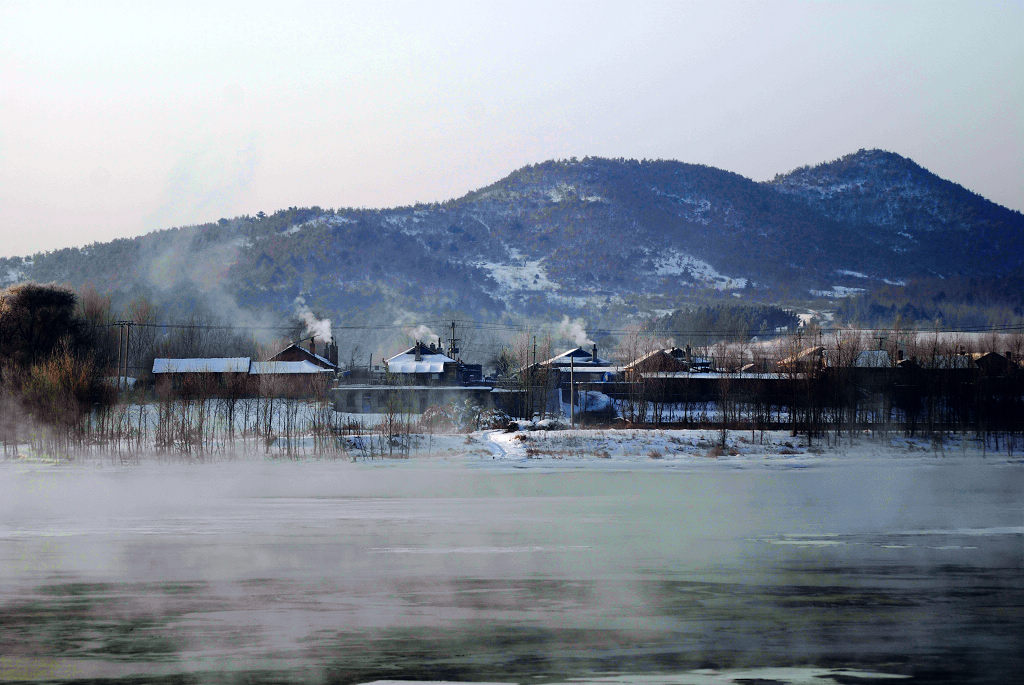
(576, 355)
(202, 365)
(673, 354)
(429, 362)
(303, 367)
(312, 355)
(410, 365)
(807, 354)
(425, 353)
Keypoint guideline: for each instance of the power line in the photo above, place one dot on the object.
(527, 328)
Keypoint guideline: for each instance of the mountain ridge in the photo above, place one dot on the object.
(595, 236)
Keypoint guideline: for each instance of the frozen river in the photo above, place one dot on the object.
(459, 571)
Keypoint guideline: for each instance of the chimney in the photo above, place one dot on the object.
(594, 354)
(689, 354)
(1009, 355)
(419, 352)
(312, 345)
(899, 355)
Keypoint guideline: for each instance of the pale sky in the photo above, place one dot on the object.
(117, 119)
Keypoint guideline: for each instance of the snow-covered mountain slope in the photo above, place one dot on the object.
(592, 236)
(932, 225)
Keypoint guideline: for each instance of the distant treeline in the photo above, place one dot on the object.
(699, 326)
(949, 303)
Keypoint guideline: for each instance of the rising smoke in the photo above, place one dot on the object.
(573, 329)
(316, 327)
(423, 333)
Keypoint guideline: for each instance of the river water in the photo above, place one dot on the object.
(460, 571)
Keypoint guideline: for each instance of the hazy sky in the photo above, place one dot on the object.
(120, 118)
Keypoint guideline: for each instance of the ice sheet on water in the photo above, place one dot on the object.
(478, 549)
(797, 675)
(803, 540)
(970, 532)
(804, 675)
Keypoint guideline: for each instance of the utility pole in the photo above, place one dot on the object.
(533, 382)
(127, 348)
(124, 334)
(453, 349)
(117, 374)
(572, 391)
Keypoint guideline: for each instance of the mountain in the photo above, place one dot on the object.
(596, 237)
(933, 226)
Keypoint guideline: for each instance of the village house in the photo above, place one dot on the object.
(411, 381)
(993, 363)
(216, 376)
(295, 352)
(582, 365)
(295, 371)
(288, 379)
(422, 364)
(672, 359)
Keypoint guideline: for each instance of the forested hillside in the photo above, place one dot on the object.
(600, 238)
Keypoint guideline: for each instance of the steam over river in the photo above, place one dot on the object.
(460, 571)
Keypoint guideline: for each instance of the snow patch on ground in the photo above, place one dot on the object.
(694, 209)
(564, 192)
(679, 263)
(695, 448)
(579, 301)
(528, 275)
(838, 291)
(396, 220)
(854, 274)
(500, 194)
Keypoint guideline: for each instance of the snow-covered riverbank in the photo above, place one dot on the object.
(673, 448)
(577, 448)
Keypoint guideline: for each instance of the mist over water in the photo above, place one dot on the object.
(430, 570)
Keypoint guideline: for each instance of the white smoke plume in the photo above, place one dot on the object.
(318, 328)
(422, 333)
(573, 329)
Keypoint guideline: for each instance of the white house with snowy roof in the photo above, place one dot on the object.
(422, 364)
(583, 365)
